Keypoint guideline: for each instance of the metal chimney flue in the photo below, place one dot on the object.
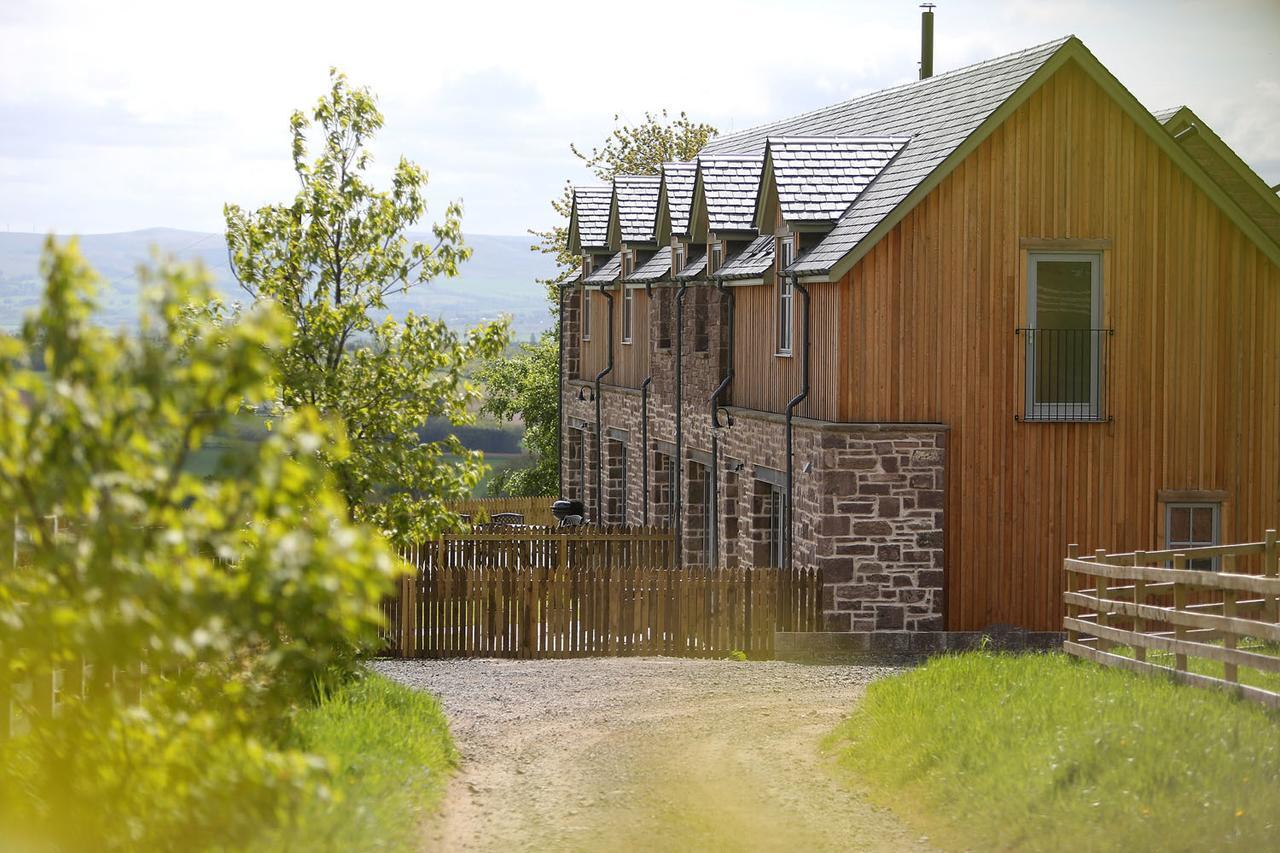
(926, 41)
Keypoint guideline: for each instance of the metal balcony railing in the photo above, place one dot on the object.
(1066, 374)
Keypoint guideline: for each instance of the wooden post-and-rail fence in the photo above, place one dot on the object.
(1148, 612)
(577, 592)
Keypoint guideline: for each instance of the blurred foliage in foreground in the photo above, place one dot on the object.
(220, 605)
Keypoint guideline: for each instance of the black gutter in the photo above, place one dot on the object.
(716, 426)
(644, 415)
(791, 407)
(679, 460)
(608, 368)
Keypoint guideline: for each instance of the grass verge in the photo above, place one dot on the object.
(1044, 752)
(392, 753)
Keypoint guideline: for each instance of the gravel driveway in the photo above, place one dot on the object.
(648, 754)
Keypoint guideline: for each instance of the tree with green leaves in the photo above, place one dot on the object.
(638, 149)
(189, 618)
(331, 258)
(525, 385)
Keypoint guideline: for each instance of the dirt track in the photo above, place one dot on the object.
(648, 754)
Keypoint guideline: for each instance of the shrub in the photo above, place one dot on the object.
(217, 606)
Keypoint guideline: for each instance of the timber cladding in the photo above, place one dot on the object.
(927, 333)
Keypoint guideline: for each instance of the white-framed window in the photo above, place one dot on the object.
(677, 262)
(1193, 525)
(1064, 338)
(586, 313)
(628, 263)
(784, 254)
(628, 312)
(717, 253)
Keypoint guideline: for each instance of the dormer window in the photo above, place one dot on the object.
(628, 263)
(678, 262)
(587, 266)
(717, 252)
(783, 255)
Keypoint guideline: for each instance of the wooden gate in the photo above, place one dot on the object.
(543, 593)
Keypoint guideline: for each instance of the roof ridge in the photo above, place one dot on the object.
(905, 137)
(1058, 42)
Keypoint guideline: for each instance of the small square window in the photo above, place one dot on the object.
(1193, 525)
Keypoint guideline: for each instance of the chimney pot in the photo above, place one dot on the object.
(926, 41)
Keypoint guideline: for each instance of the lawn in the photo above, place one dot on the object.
(1044, 752)
(392, 752)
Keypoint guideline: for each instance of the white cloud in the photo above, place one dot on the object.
(154, 113)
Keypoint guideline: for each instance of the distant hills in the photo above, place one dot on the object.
(500, 278)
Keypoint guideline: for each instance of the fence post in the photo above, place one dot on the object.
(1101, 589)
(1271, 569)
(1229, 670)
(1073, 585)
(408, 614)
(1179, 603)
(1139, 599)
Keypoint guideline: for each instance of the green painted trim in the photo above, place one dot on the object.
(1231, 158)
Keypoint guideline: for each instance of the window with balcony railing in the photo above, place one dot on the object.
(1064, 344)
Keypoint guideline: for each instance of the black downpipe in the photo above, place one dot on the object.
(644, 417)
(791, 408)
(716, 425)
(608, 368)
(679, 461)
(560, 401)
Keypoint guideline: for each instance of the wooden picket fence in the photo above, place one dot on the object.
(1146, 612)
(544, 593)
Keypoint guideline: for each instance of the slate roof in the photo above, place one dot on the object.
(729, 186)
(657, 268)
(818, 177)
(637, 199)
(752, 262)
(693, 268)
(678, 181)
(591, 215)
(606, 274)
(938, 114)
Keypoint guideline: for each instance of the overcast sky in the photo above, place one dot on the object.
(126, 115)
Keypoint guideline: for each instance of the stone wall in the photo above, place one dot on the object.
(869, 498)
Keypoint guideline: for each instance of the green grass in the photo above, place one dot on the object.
(1044, 752)
(393, 755)
(1246, 675)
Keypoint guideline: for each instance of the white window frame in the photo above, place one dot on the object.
(1065, 411)
(784, 304)
(716, 258)
(677, 262)
(586, 313)
(628, 261)
(1206, 564)
(628, 313)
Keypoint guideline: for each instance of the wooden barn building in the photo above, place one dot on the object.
(926, 338)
